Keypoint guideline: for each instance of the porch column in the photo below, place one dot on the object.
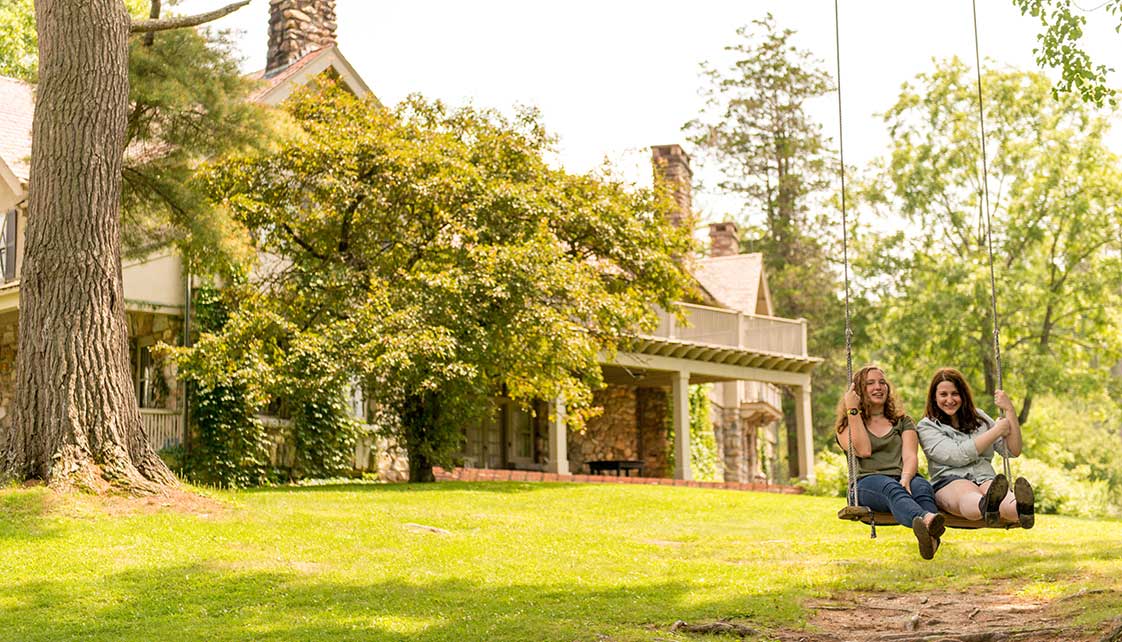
(680, 393)
(805, 431)
(558, 440)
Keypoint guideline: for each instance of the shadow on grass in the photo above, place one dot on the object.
(200, 602)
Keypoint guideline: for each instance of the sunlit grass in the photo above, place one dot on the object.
(520, 562)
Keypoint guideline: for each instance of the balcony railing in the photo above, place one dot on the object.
(718, 326)
(163, 427)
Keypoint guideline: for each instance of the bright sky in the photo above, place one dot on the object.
(613, 77)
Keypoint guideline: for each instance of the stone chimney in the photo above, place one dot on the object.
(672, 168)
(297, 28)
(724, 239)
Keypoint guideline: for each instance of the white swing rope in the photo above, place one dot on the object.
(985, 202)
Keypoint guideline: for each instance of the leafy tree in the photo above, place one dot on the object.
(187, 102)
(774, 158)
(18, 55)
(1060, 48)
(1054, 187)
(434, 254)
(75, 418)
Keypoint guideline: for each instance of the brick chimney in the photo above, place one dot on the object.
(672, 167)
(297, 28)
(724, 239)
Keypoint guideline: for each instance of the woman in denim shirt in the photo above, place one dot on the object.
(959, 441)
(884, 441)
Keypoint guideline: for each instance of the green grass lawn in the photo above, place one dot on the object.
(520, 562)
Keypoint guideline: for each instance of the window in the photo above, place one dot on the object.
(8, 230)
(148, 382)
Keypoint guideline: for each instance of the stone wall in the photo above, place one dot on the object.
(612, 435)
(634, 425)
(297, 28)
(9, 327)
(150, 328)
(653, 410)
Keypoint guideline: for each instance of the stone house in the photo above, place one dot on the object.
(729, 337)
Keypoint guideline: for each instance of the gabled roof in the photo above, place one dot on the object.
(736, 281)
(277, 87)
(17, 107)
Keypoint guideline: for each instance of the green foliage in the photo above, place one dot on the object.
(435, 255)
(1064, 491)
(1060, 48)
(188, 102)
(704, 463)
(324, 434)
(229, 446)
(831, 474)
(774, 158)
(1054, 186)
(19, 47)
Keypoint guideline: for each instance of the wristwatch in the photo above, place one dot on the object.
(854, 411)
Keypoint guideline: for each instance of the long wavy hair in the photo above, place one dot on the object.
(966, 414)
(893, 410)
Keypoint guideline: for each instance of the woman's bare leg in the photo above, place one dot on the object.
(961, 497)
(1009, 507)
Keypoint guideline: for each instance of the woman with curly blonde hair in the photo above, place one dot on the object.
(883, 438)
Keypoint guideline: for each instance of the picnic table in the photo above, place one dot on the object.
(621, 467)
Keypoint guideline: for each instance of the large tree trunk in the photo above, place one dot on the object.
(76, 420)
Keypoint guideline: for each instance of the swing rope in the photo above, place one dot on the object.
(984, 202)
(851, 457)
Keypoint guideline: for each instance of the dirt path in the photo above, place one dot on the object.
(936, 616)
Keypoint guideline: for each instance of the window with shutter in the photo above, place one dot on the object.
(8, 245)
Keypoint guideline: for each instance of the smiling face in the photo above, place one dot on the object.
(948, 398)
(876, 387)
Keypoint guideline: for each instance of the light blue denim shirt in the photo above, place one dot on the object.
(953, 453)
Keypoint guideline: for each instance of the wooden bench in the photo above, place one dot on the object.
(621, 467)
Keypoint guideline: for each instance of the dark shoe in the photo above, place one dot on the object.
(938, 526)
(991, 501)
(1026, 502)
(923, 538)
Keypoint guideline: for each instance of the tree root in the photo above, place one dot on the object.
(714, 628)
(1115, 634)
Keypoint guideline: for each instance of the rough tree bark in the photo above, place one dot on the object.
(76, 420)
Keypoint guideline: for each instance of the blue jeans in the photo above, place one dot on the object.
(884, 494)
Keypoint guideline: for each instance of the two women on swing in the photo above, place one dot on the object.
(959, 441)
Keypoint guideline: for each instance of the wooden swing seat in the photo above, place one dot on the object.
(867, 516)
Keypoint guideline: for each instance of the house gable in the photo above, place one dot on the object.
(279, 86)
(736, 281)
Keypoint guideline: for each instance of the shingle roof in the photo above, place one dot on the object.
(733, 280)
(268, 83)
(17, 106)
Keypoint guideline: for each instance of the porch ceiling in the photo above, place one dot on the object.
(650, 361)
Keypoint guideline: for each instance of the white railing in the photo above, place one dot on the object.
(759, 391)
(163, 427)
(719, 326)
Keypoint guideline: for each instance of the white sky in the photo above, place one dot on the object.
(613, 77)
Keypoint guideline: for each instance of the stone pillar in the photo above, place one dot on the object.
(680, 397)
(558, 440)
(724, 239)
(733, 432)
(297, 28)
(672, 169)
(804, 431)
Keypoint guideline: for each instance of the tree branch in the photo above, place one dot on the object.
(179, 22)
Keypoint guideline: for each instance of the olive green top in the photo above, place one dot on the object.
(887, 456)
